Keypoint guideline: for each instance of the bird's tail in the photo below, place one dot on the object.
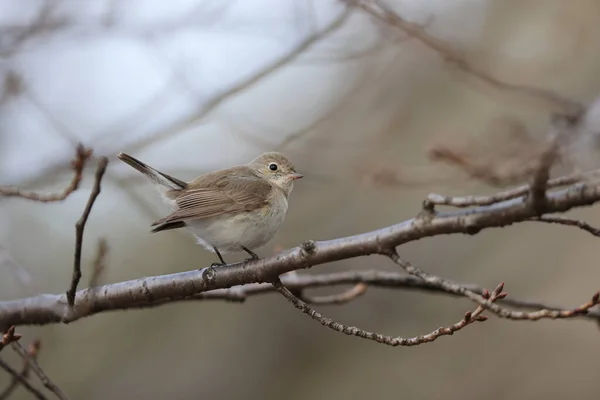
(155, 176)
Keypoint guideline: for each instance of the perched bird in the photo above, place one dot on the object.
(234, 209)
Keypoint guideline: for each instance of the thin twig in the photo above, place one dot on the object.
(238, 88)
(338, 298)
(434, 199)
(417, 31)
(35, 367)
(77, 164)
(541, 175)
(500, 311)
(559, 133)
(469, 318)
(32, 351)
(99, 263)
(569, 222)
(80, 226)
(22, 380)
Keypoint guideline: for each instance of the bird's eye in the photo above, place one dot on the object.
(273, 167)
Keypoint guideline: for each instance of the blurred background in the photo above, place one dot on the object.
(362, 110)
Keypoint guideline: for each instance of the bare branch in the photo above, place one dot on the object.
(380, 279)
(494, 169)
(77, 164)
(276, 65)
(473, 201)
(33, 364)
(80, 226)
(487, 303)
(163, 289)
(99, 264)
(32, 351)
(339, 298)
(469, 318)
(22, 380)
(385, 14)
(570, 222)
(43, 22)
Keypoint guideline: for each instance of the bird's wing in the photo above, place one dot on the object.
(219, 194)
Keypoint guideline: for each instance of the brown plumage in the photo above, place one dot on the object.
(234, 208)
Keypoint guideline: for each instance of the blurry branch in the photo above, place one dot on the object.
(11, 337)
(12, 86)
(298, 284)
(77, 165)
(22, 380)
(223, 282)
(32, 351)
(43, 23)
(388, 16)
(33, 364)
(99, 264)
(79, 228)
(492, 169)
(516, 158)
(208, 107)
(270, 69)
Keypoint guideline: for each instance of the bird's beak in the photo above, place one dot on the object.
(295, 176)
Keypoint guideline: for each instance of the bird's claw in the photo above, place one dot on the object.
(216, 264)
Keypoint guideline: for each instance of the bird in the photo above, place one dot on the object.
(235, 209)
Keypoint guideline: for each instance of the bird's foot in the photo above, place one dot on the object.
(253, 256)
(216, 264)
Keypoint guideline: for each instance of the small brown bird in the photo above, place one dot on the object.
(234, 209)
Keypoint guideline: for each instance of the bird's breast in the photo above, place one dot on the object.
(251, 229)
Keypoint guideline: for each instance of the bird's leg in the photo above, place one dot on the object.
(253, 255)
(220, 258)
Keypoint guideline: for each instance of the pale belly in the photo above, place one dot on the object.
(251, 229)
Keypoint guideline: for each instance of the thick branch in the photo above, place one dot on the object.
(168, 288)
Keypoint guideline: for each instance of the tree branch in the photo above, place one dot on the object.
(273, 67)
(388, 16)
(468, 319)
(80, 226)
(33, 364)
(32, 351)
(484, 301)
(77, 164)
(22, 380)
(152, 291)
